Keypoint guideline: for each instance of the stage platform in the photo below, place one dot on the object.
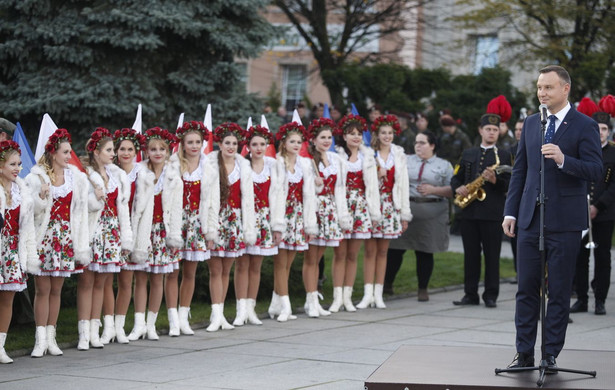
(473, 368)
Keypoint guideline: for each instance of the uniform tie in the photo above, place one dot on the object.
(550, 130)
(421, 170)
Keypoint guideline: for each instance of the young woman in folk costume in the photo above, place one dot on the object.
(60, 194)
(267, 174)
(395, 206)
(332, 210)
(197, 177)
(17, 245)
(127, 143)
(236, 223)
(363, 200)
(300, 214)
(157, 216)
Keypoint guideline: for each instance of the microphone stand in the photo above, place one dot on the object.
(542, 368)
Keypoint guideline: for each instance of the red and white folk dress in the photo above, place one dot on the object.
(195, 243)
(13, 275)
(231, 242)
(357, 201)
(329, 231)
(294, 237)
(264, 245)
(390, 226)
(132, 179)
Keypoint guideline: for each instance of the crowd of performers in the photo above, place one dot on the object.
(124, 218)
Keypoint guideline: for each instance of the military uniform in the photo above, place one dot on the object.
(406, 140)
(507, 142)
(452, 145)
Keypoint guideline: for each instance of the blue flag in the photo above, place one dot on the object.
(367, 135)
(327, 114)
(27, 157)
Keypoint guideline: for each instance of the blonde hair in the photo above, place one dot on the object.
(46, 162)
(91, 162)
(3, 159)
(282, 148)
(183, 161)
(162, 142)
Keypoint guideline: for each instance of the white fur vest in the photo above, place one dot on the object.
(401, 188)
(343, 217)
(26, 249)
(143, 209)
(78, 210)
(96, 206)
(277, 201)
(309, 193)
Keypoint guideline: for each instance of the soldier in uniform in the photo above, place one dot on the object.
(602, 213)
(452, 141)
(480, 221)
(407, 136)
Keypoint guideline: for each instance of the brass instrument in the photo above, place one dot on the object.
(475, 188)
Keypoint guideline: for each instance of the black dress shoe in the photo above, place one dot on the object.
(600, 310)
(522, 360)
(466, 300)
(551, 365)
(490, 303)
(579, 307)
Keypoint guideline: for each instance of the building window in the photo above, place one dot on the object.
(486, 52)
(294, 85)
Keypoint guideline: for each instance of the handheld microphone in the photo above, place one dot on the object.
(543, 113)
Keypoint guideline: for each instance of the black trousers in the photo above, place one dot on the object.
(424, 266)
(602, 233)
(486, 237)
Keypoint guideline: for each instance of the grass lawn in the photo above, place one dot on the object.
(448, 271)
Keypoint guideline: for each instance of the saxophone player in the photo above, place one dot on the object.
(480, 220)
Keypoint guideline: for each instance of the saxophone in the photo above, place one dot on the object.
(475, 188)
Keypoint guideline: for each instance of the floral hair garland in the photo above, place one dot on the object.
(229, 128)
(7, 145)
(292, 127)
(56, 138)
(96, 137)
(131, 135)
(260, 131)
(195, 126)
(318, 124)
(162, 134)
(386, 120)
(348, 120)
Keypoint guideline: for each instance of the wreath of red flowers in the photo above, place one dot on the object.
(259, 131)
(137, 139)
(195, 126)
(352, 119)
(386, 120)
(292, 127)
(7, 145)
(163, 134)
(56, 138)
(319, 123)
(229, 128)
(96, 137)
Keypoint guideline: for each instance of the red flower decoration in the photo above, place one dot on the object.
(229, 128)
(386, 120)
(56, 138)
(259, 131)
(96, 137)
(607, 104)
(13, 245)
(195, 126)
(349, 120)
(292, 127)
(70, 252)
(163, 134)
(7, 145)
(320, 123)
(137, 139)
(588, 107)
(163, 233)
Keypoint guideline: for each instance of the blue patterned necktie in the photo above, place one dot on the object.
(550, 130)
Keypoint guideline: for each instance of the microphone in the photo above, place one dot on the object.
(543, 113)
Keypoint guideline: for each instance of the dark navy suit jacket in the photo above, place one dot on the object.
(578, 138)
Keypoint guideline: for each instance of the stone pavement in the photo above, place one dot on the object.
(335, 352)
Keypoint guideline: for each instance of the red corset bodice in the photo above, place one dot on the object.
(355, 181)
(261, 194)
(133, 189)
(234, 196)
(60, 209)
(295, 191)
(157, 208)
(11, 222)
(110, 209)
(192, 194)
(328, 184)
(387, 184)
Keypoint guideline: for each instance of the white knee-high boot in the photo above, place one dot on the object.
(347, 299)
(378, 296)
(139, 330)
(84, 335)
(252, 316)
(108, 334)
(94, 337)
(173, 317)
(184, 324)
(120, 335)
(337, 300)
(275, 308)
(151, 326)
(52, 345)
(4, 358)
(368, 297)
(242, 313)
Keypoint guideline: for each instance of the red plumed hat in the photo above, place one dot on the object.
(607, 104)
(588, 107)
(501, 107)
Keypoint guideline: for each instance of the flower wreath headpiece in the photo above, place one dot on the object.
(292, 127)
(56, 138)
(229, 128)
(196, 126)
(7, 145)
(351, 119)
(163, 134)
(260, 131)
(96, 137)
(317, 124)
(131, 135)
(384, 120)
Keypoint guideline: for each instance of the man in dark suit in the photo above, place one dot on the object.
(480, 220)
(572, 155)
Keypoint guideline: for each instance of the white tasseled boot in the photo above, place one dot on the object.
(52, 345)
(150, 324)
(40, 344)
(120, 335)
(347, 299)
(311, 308)
(108, 334)
(378, 296)
(225, 324)
(337, 300)
(368, 297)
(317, 297)
(139, 330)
(252, 316)
(215, 320)
(242, 315)
(275, 307)
(84, 335)
(94, 337)
(184, 324)
(173, 317)
(286, 312)
(4, 358)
